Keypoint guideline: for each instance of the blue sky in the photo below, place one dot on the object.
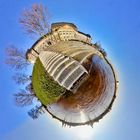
(116, 25)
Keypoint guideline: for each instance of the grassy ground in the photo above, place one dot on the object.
(45, 88)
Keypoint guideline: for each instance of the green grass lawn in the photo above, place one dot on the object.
(46, 89)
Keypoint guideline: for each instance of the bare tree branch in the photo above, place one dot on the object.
(35, 21)
(21, 78)
(16, 57)
(35, 112)
(24, 98)
(29, 88)
(98, 46)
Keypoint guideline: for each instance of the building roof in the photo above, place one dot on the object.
(59, 24)
(88, 35)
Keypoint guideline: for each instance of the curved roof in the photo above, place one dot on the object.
(65, 70)
(59, 24)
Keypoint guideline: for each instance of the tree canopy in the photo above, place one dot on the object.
(35, 20)
(15, 57)
(36, 111)
(21, 78)
(24, 98)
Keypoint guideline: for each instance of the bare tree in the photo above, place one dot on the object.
(29, 88)
(35, 21)
(16, 57)
(35, 112)
(97, 45)
(24, 98)
(21, 78)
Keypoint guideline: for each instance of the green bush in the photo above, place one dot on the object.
(46, 89)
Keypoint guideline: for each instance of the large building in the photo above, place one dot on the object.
(76, 64)
(59, 32)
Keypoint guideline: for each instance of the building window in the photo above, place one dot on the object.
(49, 43)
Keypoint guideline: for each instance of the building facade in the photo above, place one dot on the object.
(59, 32)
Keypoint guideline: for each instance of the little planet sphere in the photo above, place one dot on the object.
(72, 76)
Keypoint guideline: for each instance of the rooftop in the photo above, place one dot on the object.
(59, 24)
